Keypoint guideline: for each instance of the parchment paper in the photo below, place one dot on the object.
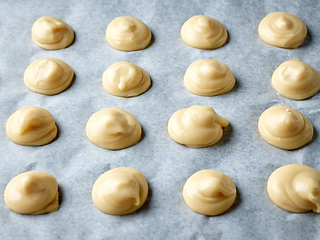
(76, 163)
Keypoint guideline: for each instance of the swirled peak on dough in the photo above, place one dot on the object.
(51, 33)
(113, 128)
(120, 191)
(128, 34)
(208, 77)
(197, 126)
(125, 79)
(32, 192)
(209, 192)
(295, 188)
(283, 30)
(284, 127)
(296, 80)
(203, 32)
(31, 125)
(48, 76)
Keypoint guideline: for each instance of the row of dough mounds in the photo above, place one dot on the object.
(123, 190)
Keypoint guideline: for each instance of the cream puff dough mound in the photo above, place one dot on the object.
(51, 33)
(124, 79)
(48, 76)
(33, 126)
(113, 128)
(285, 128)
(295, 188)
(282, 29)
(120, 191)
(197, 126)
(296, 80)
(203, 32)
(33, 192)
(209, 192)
(128, 34)
(208, 77)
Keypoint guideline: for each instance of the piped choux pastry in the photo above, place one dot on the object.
(209, 192)
(33, 126)
(128, 34)
(120, 191)
(296, 80)
(285, 128)
(282, 30)
(124, 79)
(33, 192)
(208, 77)
(48, 76)
(197, 126)
(113, 128)
(204, 32)
(51, 33)
(295, 188)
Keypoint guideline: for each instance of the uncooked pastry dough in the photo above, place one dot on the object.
(296, 80)
(282, 29)
(113, 128)
(295, 188)
(128, 34)
(31, 125)
(48, 76)
(208, 77)
(284, 127)
(209, 192)
(120, 191)
(125, 79)
(203, 32)
(51, 33)
(197, 126)
(33, 193)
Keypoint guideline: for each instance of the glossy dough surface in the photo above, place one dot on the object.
(113, 128)
(296, 80)
(197, 126)
(51, 33)
(284, 127)
(282, 29)
(128, 34)
(31, 125)
(125, 79)
(208, 77)
(203, 32)
(120, 191)
(295, 188)
(33, 192)
(209, 192)
(48, 76)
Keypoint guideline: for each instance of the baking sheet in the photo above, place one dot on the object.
(76, 163)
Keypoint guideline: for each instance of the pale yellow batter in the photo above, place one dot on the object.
(296, 80)
(51, 33)
(48, 76)
(120, 191)
(197, 126)
(128, 34)
(125, 79)
(31, 125)
(203, 32)
(209, 192)
(208, 77)
(32, 192)
(282, 29)
(113, 128)
(284, 127)
(295, 188)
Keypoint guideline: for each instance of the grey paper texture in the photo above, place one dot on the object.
(76, 163)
